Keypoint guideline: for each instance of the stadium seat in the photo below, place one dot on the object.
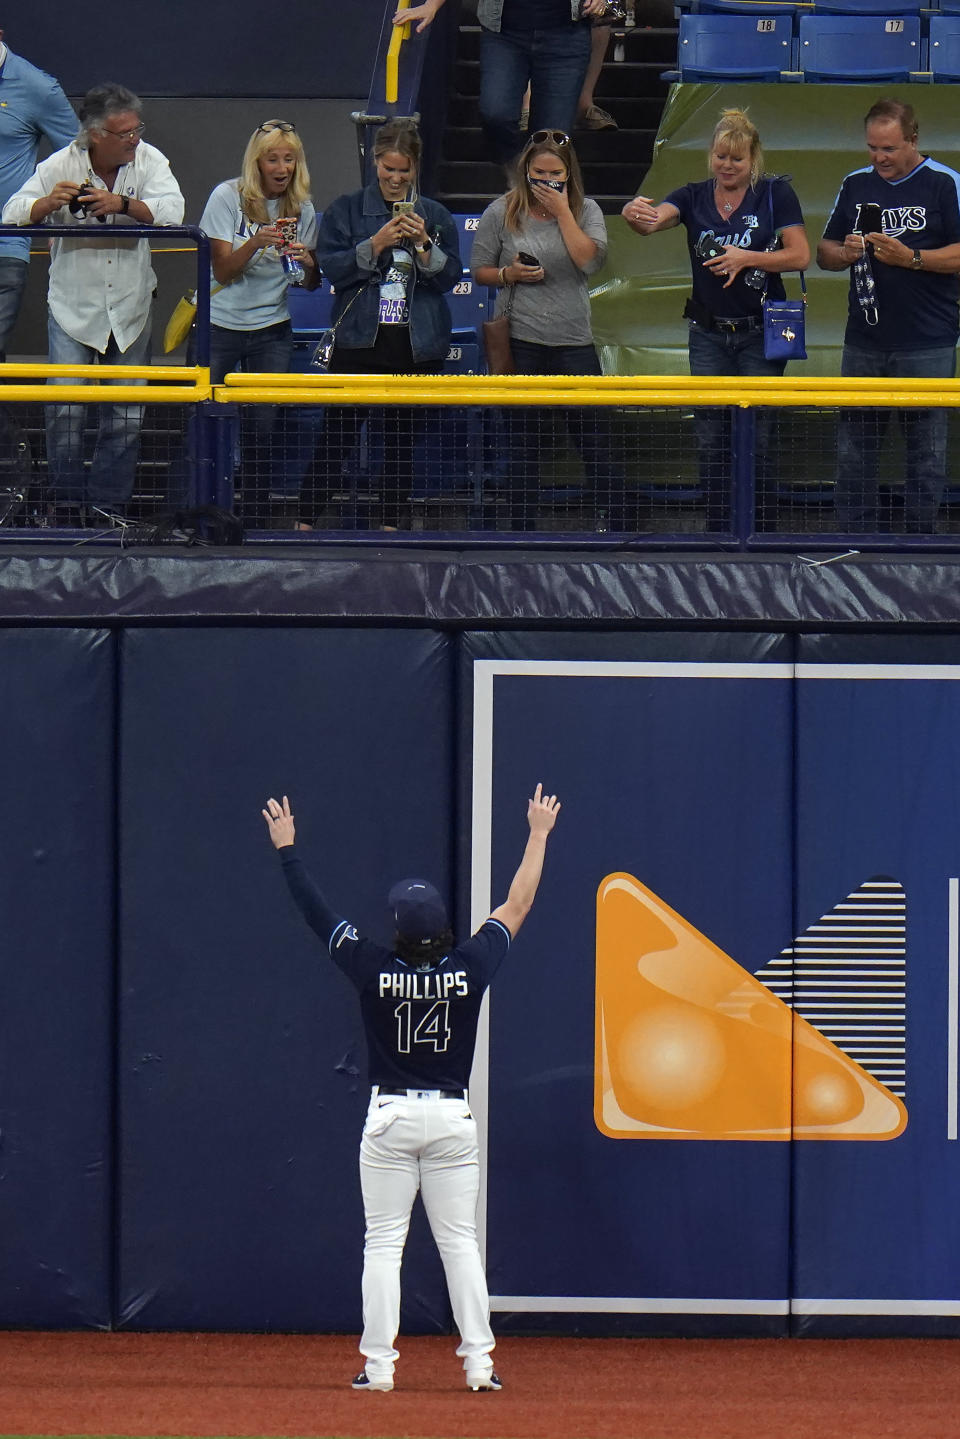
(310, 309)
(734, 47)
(868, 7)
(855, 49)
(945, 48)
(754, 7)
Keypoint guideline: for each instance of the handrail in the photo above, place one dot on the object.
(742, 392)
(143, 232)
(392, 79)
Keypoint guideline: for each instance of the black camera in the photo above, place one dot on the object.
(708, 247)
(77, 205)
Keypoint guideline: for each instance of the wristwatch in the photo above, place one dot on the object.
(423, 249)
(125, 207)
(917, 260)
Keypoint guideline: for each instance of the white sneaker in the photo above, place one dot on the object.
(375, 1386)
(486, 1380)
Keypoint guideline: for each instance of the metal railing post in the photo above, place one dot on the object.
(743, 472)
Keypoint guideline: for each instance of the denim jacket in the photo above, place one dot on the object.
(345, 255)
(490, 13)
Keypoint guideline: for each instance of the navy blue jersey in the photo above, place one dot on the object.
(916, 309)
(749, 226)
(420, 1025)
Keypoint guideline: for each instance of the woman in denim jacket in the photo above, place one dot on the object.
(391, 255)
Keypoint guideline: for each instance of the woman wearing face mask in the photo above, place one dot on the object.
(249, 222)
(391, 255)
(744, 230)
(545, 218)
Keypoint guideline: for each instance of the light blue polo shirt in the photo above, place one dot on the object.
(32, 106)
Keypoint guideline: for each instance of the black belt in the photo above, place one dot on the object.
(735, 325)
(405, 1093)
(741, 326)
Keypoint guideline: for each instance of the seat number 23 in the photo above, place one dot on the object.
(433, 1028)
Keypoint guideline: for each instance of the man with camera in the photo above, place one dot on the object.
(101, 284)
(896, 226)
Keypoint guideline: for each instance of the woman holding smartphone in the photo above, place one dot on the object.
(254, 223)
(744, 230)
(391, 255)
(538, 244)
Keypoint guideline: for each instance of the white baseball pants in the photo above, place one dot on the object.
(428, 1144)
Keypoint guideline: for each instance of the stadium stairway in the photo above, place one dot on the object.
(614, 162)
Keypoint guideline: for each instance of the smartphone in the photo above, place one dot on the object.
(708, 247)
(402, 207)
(526, 258)
(869, 220)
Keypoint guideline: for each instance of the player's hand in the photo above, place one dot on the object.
(279, 822)
(542, 811)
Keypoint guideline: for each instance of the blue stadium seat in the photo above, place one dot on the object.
(468, 304)
(855, 49)
(755, 7)
(310, 309)
(949, 7)
(945, 48)
(463, 356)
(868, 7)
(734, 47)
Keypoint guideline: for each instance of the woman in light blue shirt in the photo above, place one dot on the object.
(246, 220)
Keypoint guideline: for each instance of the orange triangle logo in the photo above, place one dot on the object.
(690, 1045)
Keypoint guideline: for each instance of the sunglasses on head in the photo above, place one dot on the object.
(540, 137)
(285, 125)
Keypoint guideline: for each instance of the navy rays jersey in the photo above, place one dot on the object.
(420, 1025)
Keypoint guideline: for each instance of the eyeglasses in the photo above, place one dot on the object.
(540, 137)
(126, 134)
(285, 125)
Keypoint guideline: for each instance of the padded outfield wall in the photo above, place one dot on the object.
(755, 817)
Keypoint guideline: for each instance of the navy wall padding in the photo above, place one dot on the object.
(653, 775)
(242, 1061)
(56, 978)
(181, 48)
(878, 779)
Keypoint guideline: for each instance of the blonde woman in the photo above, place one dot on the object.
(247, 221)
(249, 317)
(744, 230)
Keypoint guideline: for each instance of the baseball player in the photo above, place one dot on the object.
(420, 1003)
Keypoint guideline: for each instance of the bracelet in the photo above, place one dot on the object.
(502, 276)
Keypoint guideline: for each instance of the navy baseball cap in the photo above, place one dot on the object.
(418, 910)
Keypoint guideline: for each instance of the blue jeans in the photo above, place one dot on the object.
(114, 464)
(553, 61)
(13, 280)
(860, 434)
(714, 353)
(265, 351)
(588, 429)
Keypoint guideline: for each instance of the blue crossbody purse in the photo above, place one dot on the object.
(784, 321)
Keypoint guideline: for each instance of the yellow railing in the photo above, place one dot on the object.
(391, 84)
(606, 390)
(167, 384)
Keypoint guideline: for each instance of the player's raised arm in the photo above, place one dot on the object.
(279, 822)
(542, 811)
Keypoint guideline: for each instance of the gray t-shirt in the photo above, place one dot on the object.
(557, 311)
